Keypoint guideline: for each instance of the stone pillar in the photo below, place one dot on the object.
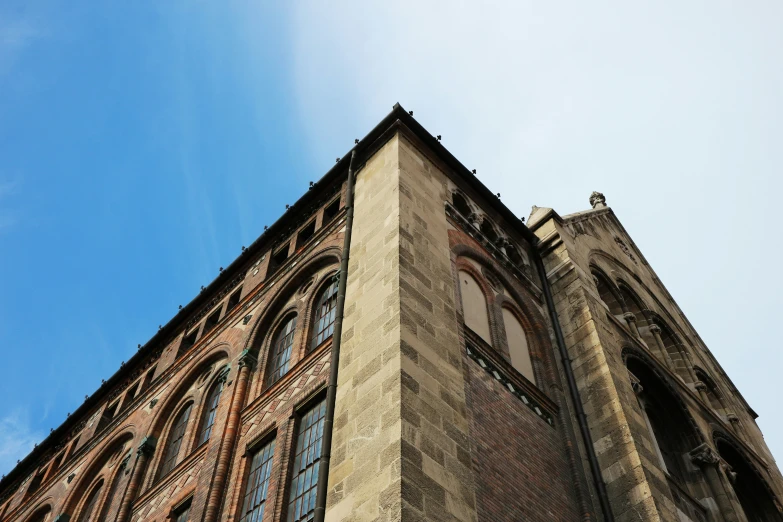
(475, 220)
(663, 354)
(146, 448)
(247, 362)
(709, 461)
(631, 320)
(702, 389)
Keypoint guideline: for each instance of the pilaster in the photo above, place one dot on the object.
(400, 448)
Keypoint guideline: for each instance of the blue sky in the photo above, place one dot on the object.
(143, 143)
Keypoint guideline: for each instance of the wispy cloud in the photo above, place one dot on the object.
(17, 438)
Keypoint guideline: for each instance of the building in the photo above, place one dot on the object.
(488, 371)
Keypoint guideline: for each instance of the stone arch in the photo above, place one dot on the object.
(174, 402)
(677, 352)
(95, 471)
(674, 428)
(621, 274)
(520, 300)
(607, 291)
(714, 395)
(489, 230)
(328, 257)
(754, 493)
(40, 513)
(460, 203)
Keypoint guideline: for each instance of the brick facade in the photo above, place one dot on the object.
(433, 420)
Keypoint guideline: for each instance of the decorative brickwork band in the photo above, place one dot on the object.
(146, 449)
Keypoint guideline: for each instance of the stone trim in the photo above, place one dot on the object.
(522, 392)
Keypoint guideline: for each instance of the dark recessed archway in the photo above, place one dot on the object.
(753, 494)
(672, 428)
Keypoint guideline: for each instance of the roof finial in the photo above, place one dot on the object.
(597, 200)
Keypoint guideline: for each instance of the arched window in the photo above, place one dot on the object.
(517, 345)
(175, 440)
(607, 295)
(89, 512)
(281, 350)
(460, 204)
(40, 516)
(323, 318)
(489, 231)
(713, 395)
(752, 493)
(210, 409)
(670, 430)
(474, 306)
(115, 487)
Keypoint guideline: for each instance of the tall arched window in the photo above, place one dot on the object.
(517, 345)
(281, 350)
(89, 512)
(323, 318)
(40, 516)
(175, 440)
(210, 409)
(474, 306)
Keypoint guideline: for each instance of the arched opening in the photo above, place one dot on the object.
(282, 345)
(323, 314)
(89, 513)
(635, 305)
(713, 394)
(489, 231)
(41, 515)
(210, 410)
(517, 345)
(674, 348)
(474, 306)
(460, 204)
(671, 431)
(175, 439)
(752, 493)
(607, 294)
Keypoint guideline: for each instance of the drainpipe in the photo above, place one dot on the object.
(581, 418)
(331, 388)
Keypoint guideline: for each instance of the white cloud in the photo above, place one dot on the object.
(17, 438)
(670, 108)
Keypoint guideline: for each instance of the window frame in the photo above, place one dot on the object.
(267, 442)
(273, 375)
(218, 382)
(317, 402)
(331, 282)
(163, 468)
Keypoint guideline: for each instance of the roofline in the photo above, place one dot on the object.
(395, 120)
